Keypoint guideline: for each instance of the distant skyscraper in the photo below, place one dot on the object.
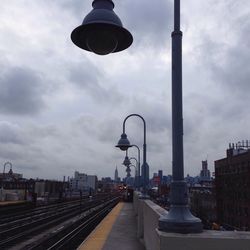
(145, 174)
(116, 174)
(160, 175)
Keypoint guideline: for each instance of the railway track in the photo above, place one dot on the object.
(72, 236)
(24, 210)
(36, 215)
(19, 230)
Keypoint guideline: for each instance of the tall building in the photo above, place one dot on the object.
(205, 173)
(203, 204)
(160, 174)
(83, 182)
(116, 175)
(232, 178)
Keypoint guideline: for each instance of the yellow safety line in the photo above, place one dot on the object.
(98, 237)
(4, 203)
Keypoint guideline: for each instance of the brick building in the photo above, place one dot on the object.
(232, 178)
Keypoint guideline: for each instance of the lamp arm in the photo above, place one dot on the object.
(144, 124)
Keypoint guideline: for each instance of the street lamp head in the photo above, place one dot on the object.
(128, 170)
(102, 31)
(126, 161)
(123, 143)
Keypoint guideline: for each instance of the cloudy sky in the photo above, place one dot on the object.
(61, 108)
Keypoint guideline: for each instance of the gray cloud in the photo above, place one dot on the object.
(150, 23)
(226, 60)
(10, 133)
(21, 92)
(86, 97)
(89, 79)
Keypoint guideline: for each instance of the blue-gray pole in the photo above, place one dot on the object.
(179, 219)
(138, 163)
(144, 167)
(136, 172)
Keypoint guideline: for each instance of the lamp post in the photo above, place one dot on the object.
(101, 31)
(132, 165)
(124, 144)
(138, 164)
(4, 166)
(179, 219)
(127, 163)
(136, 171)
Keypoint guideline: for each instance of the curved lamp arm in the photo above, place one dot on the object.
(144, 124)
(6, 163)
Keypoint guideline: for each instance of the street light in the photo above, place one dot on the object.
(126, 161)
(179, 219)
(137, 167)
(4, 166)
(132, 165)
(138, 164)
(101, 30)
(123, 145)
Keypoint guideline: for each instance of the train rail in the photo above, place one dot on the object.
(72, 236)
(22, 229)
(24, 210)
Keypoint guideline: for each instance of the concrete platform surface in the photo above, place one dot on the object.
(116, 231)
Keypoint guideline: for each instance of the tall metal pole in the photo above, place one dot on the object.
(179, 219)
(144, 167)
(138, 164)
(177, 118)
(136, 172)
(132, 165)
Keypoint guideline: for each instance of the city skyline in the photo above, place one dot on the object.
(61, 109)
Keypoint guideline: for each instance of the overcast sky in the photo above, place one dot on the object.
(62, 108)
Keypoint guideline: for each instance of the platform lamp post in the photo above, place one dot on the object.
(127, 162)
(132, 165)
(101, 32)
(136, 172)
(124, 144)
(4, 166)
(138, 164)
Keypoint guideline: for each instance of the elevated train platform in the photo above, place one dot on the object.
(117, 231)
